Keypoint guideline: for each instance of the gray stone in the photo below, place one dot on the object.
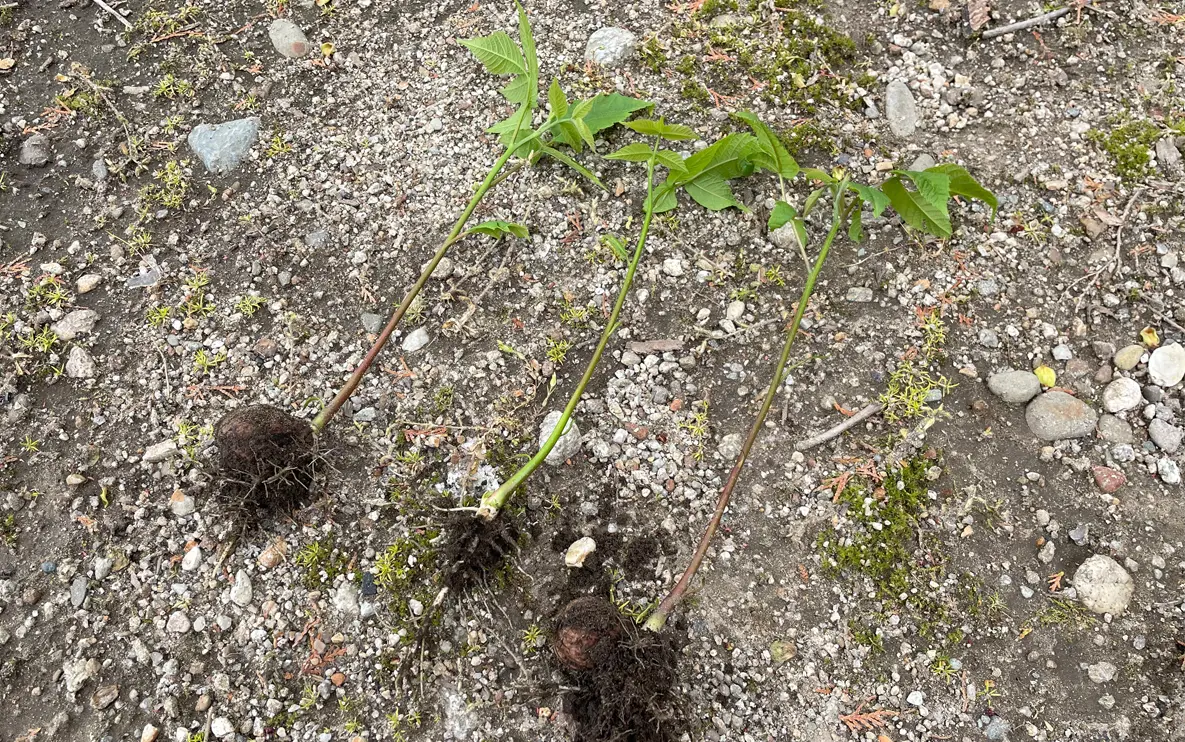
(288, 39)
(105, 696)
(1114, 430)
(900, 109)
(1166, 437)
(915, 698)
(192, 559)
(1102, 672)
(1103, 585)
(735, 310)
(78, 591)
(785, 237)
(87, 283)
(1121, 395)
(35, 151)
(923, 161)
(80, 364)
(147, 279)
(1168, 157)
(223, 147)
(997, 729)
(79, 671)
(345, 599)
(221, 728)
(988, 338)
(859, 294)
(415, 340)
(372, 323)
(672, 267)
(1056, 416)
(366, 415)
(181, 504)
(99, 170)
(317, 240)
(178, 623)
(160, 451)
(568, 444)
(1168, 471)
(1046, 554)
(78, 322)
(1128, 357)
(240, 592)
(1166, 367)
(610, 46)
(1062, 352)
(730, 446)
(1014, 387)
(988, 287)
(103, 567)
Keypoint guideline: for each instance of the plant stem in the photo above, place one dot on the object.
(326, 414)
(658, 619)
(492, 502)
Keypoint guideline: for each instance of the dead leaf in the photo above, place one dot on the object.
(1106, 217)
(940, 5)
(979, 12)
(1149, 336)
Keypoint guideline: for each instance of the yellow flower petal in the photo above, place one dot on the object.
(1046, 375)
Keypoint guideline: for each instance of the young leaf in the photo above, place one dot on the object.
(918, 208)
(856, 226)
(616, 246)
(636, 152)
(662, 130)
(556, 154)
(518, 90)
(962, 184)
(782, 213)
(663, 197)
(772, 156)
(729, 157)
(519, 121)
(498, 53)
(527, 39)
(556, 100)
(712, 192)
(873, 196)
(811, 200)
(498, 229)
(609, 110)
(673, 161)
(814, 173)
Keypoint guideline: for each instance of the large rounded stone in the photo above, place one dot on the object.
(1056, 416)
(1103, 585)
(610, 46)
(1014, 387)
(1166, 367)
(1122, 394)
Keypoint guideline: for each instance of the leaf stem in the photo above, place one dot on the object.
(658, 619)
(492, 502)
(327, 413)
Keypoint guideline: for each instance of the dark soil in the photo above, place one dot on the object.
(267, 458)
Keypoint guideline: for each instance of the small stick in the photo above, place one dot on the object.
(1116, 259)
(839, 430)
(113, 12)
(1052, 15)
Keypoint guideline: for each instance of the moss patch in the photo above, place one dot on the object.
(1127, 146)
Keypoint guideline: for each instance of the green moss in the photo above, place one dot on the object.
(653, 55)
(1127, 146)
(806, 137)
(695, 92)
(712, 8)
(407, 570)
(686, 65)
(322, 562)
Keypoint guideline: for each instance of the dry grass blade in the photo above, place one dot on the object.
(858, 721)
(979, 12)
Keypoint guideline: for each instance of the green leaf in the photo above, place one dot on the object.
(814, 173)
(581, 109)
(783, 214)
(662, 130)
(873, 196)
(856, 227)
(918, 209)
(609, 110)
(498, 53)
(728, 158)
(518, 121)
(636, 152)
(664, 198)
(811, 200)
(962, 184)
(712, 192)
(617, 246)
(527, 40)
(585, 132)
(518, 90)
(556, 154)
(556, 100)
(498, 229)
(673, 161)
(772, 156)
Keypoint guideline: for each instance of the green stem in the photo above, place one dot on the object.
(492, 502)
(327, 413)
(658, 619)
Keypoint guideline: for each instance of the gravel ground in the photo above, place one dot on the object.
(219, 205)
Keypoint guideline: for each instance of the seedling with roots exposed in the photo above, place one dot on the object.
(704, 176)
(250, 438)
(924, 208)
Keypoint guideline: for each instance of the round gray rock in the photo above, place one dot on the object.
(35, 151)
(1103, 585)
(1128, 357)
(568, 444)
(900, 109)
(1056, 416)
(1014, 387)
(223, 147)
(1166, 437)
(1166, 367)
(610, 46)
(288, 39)
(1122, 394)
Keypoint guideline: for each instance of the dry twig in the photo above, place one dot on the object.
(114, 12)
(839, 429)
